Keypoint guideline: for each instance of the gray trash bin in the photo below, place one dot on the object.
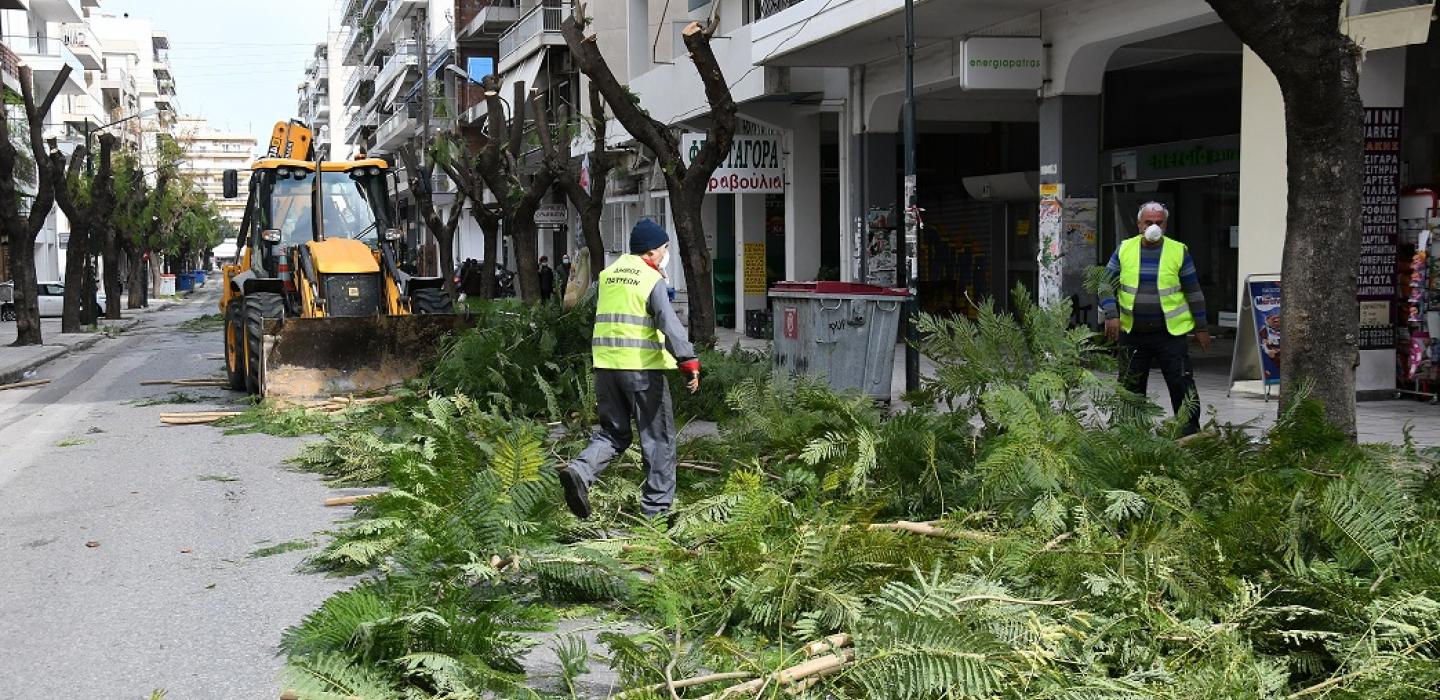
(840, 332)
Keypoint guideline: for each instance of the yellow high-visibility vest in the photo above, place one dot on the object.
(626, 337)
(1178, 319)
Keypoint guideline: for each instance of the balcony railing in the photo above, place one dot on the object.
(48, 47)
(765, 8)
(540, 20)
(394, 130)
(357, 77)
(406, 56)
(478, 18)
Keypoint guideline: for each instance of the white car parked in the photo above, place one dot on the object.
(52, 299)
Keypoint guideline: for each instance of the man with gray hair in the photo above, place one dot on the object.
(1157, 303)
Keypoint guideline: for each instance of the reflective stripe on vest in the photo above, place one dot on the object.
(626, 336)
(1178, 319)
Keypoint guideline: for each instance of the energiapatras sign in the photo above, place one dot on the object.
(1004, 63)
(753, 166)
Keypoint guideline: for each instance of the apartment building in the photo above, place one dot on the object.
(209, 152)
(396, 52)
(136, 63)
(314, 97)
(42, 35)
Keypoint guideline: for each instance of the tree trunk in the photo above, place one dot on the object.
(110, 250)
(445, 241)
(523, 234)
(27, 304)
(489, 249)
(138, 281)
(590, 226)
(1317, 69)
(699, 275)
(77, 251)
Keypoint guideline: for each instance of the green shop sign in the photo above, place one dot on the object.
(1196, 157)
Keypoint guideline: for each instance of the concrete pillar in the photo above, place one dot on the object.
(802, 200)
(749, 228)
(1069, 176)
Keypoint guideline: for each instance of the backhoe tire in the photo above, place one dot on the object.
(258, 307)
(432, 300)
(235, 343)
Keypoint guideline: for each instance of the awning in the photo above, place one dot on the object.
(226, 249)
(527, 72)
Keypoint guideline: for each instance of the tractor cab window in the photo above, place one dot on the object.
(349, 204)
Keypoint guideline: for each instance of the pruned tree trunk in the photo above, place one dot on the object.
(519, 193)
(20, 230)
(686, 183)
(102, 231)
(1317, 67)
(462, 172)
(139, 281)
(442, 228)
(590, 203)
(67, 186)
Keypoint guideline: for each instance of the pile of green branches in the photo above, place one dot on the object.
(1043, 536)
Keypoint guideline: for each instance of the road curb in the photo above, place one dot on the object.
(15, 374)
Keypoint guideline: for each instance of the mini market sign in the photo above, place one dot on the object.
(753, 166)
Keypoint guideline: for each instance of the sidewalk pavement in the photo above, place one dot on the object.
(16, 362)
(1376, 421)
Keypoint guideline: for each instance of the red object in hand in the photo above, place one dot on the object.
(690, 366)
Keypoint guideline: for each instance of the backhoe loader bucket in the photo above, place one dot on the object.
(313, 358)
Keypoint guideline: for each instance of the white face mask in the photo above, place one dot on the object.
(665, 259)
(1154, 233)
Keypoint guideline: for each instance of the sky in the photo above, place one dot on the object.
(236, 63)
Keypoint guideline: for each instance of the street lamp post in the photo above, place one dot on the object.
(912, 208)
(90, 307)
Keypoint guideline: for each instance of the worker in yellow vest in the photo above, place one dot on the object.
(1158, 302)
(637, 338)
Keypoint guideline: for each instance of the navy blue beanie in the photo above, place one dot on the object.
(647, 236)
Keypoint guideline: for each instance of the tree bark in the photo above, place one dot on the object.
(686, 183)
(138, 279)
(67, 185)
(1317, 68)
(20, 230)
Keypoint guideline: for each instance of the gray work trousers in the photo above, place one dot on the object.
(642, 396)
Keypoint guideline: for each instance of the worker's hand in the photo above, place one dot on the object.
(1112, 329)
(693, 383)
(1203, 338)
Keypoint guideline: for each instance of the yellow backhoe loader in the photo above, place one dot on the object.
(317, 304)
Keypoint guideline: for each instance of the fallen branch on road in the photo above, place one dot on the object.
(24, 385)
(200, 381)
(196, 417)
(348, 500)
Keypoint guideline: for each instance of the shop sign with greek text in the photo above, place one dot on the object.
(753, 166)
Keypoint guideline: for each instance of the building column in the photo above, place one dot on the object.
(749, 230)
(1069, 187)
(802, 200)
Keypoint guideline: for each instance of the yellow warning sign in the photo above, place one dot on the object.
(755, 282)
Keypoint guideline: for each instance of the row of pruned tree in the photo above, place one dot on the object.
(112, 207)
(497, 163)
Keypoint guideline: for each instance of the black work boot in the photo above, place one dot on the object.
(577, 494)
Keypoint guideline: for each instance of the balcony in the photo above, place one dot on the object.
(81, 108)
(56, 10)
(536, 29)
(405, 58)
(46, 56)
(160, 40)
(358, 77)
(388, 25)
(394, 132)
(84, 45)
(355, 44)
(490, 19)
(120, 83)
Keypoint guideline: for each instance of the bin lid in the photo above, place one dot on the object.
(848, 289)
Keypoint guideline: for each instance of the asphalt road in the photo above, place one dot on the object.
(125, 544)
